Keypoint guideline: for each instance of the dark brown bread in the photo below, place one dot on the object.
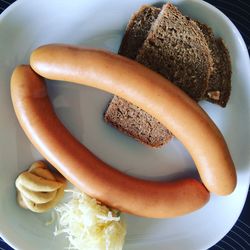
(133, 121)
(219, 85)
(153, 134)
(176, 48)
(137, 30)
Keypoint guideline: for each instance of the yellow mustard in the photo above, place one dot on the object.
(39, 189)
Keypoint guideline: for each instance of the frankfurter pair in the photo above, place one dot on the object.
(149, 91)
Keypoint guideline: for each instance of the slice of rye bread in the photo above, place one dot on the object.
(176, 48)
(137, 30)
(219, 85)
(155, 134)
(123, 115)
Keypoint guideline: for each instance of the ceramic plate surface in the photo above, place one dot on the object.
(28, 24)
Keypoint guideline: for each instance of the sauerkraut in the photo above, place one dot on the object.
(89, 224)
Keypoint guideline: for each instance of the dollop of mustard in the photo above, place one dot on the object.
(38, 188)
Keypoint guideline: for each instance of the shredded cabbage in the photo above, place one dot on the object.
(89, 224)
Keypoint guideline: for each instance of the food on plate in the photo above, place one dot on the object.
(39, 189)
(167, 103)
(90, 224)
(184, 51)
(82, 168)
(133, 82)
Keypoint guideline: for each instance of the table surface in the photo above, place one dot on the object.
(239, 12)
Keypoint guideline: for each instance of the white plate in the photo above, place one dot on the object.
(28, 24)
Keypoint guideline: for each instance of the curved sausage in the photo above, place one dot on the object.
(152, 93)
(92, 176)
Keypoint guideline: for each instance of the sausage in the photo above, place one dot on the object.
(88, 173)
(152, 93)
